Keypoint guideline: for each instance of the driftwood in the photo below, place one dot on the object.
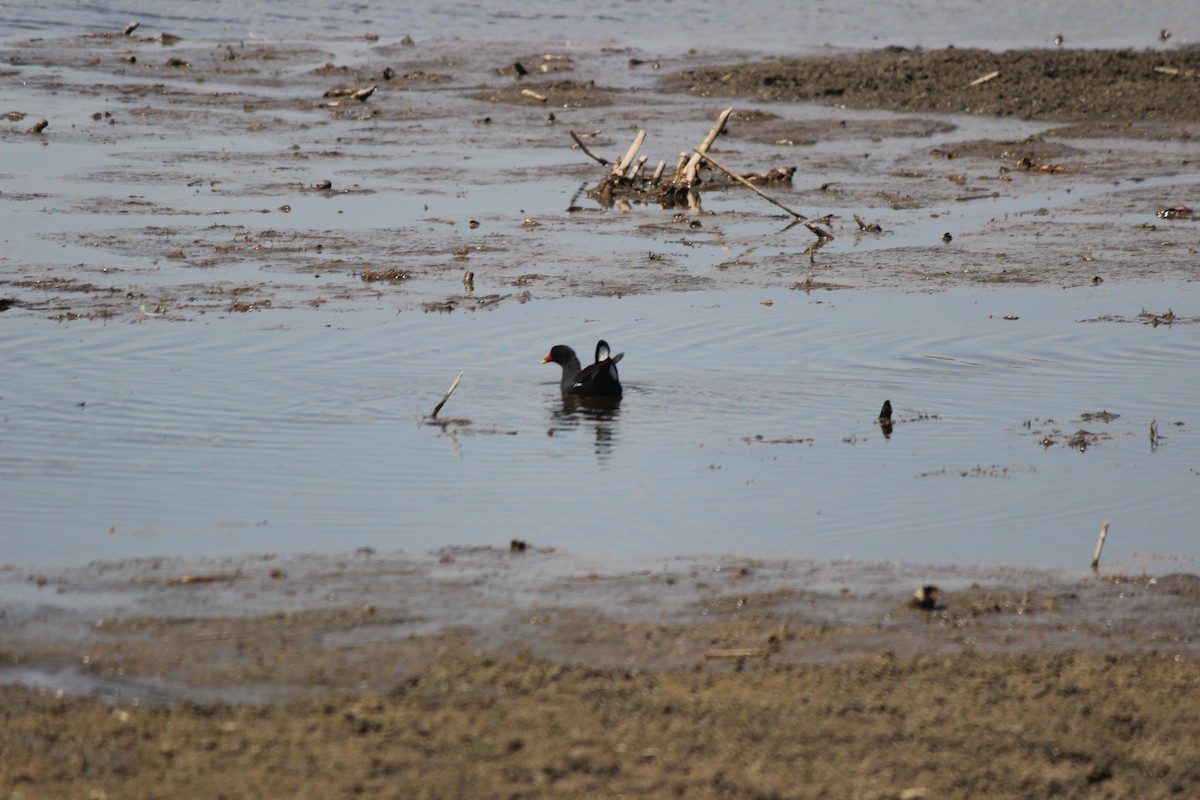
(359, 93)
(690, 175)
(603, 161)
(708, 157)
(628, 179)
(446, 396)
(620, 169)
(984, 78)
(1100, 545)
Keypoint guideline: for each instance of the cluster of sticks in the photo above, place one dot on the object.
(627, 176)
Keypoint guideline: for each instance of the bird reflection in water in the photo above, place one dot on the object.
(590, 394)
(601, 414)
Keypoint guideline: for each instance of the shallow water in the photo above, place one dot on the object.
(302, 430)
(245, 434)
(661, 25)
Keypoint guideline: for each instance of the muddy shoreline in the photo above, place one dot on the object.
(486, 672)
(224, 175)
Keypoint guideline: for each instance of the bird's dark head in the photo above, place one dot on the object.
(560, 354)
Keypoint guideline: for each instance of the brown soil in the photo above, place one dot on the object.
(471, 725)
(482, 673)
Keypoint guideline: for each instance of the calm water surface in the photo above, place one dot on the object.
(299, 431)
(302, 430)
(665, 26)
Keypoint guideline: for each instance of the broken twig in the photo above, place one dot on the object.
(688, 178)
(630, 154)
(446, 396)
(1186, 73)
(1100, 545)
(603, 161)
(707, 157)
(658, 172)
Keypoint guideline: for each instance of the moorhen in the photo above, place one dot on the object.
(598, 380)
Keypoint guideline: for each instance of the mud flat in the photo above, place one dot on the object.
(485, 672)
(176, 179)
(1105, 90)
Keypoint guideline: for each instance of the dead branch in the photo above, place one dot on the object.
(631, 179)
(630, 154)
(446, 396)
(984, 78)
(584, 148)
(654, 179)
(1100, 545)
(1187, 73)
(869, 228)
(708, 157)
(683, 158)
(689, 176)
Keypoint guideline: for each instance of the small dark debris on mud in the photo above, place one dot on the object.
(1082, 439)
(1049, 434)
(1151, 318)
(926, 597)
(1176, 212)
(191, 580)
(244, 306)
(561, 94)
(758, 438)
(979, 471)
(389, 275)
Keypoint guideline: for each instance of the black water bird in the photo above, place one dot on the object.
(596, 380)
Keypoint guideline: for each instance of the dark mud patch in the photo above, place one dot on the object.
(1121, 85)
(1122, 130)
(553, 95)
(776, 131)
(1023, 153)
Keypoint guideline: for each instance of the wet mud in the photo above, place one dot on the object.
(334, 173)
(524, 672)
(248, 178)
(1061, 84)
